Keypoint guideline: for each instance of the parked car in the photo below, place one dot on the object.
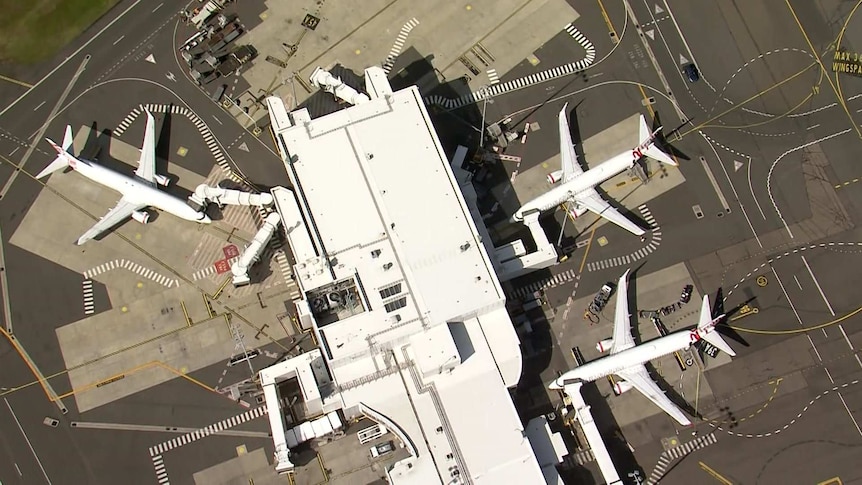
(685, 297)
(382, 449)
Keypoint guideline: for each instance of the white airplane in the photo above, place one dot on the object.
(578, 187)
(139, 191)
(626, 359)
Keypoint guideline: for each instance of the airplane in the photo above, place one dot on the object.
(626, 359)
(578, 187)
(139, 191)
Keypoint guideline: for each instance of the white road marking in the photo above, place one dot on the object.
(7, 108)
(219, 122)
(732, 187)
(797, 282)
(525, 81)
(849, 344)
(157, 7)
(118, 40)
(798, 319)
(849, 413)
(13, 151)
(751, 188)
(769, 175)
(39, 106)
(399, 44)
(709, 174)
(792, 421)
(679, 31)
(41, 132)
(816, 283)
(28, 441)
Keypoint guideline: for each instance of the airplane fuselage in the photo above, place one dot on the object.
(135, 190)
(636, 355)
(570, 189)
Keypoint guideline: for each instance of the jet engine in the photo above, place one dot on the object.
(141, 216)
(621, 387)
(555, 177)
(162, 180)
(576, 210)
(605, 345)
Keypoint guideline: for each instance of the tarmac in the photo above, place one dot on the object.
(651, 292)
(624, 189)
(476, 39)
(163, 321)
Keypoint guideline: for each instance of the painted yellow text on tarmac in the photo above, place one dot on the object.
(847, 62)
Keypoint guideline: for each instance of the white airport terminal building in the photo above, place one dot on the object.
(399, 288)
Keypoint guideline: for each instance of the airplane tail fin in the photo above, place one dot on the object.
(64, 154)
(67, 140)
(648, 142)
(708, 331)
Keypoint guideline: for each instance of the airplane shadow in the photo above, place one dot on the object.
(661, 137)
(97, 149)
(662, 383)
(163, 143)
(724, 326)
(575, 132)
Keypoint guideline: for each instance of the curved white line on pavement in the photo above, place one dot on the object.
(655, 91)
(399, 43)
(757, 133)
(233, 164)
(655, 242)
(748, 170)
(732, 76)
(772, 168)
(196, 120)
(732, 188)
(133, 267)
(731, 150)
(786, 253)
(526, 81)
(792, 421)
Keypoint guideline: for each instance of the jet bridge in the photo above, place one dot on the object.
(205, 193)
(253, 251)
(326, 81)
(510, 260)
(591, 431)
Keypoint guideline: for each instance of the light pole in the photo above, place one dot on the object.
(565, 219)
(257, 130)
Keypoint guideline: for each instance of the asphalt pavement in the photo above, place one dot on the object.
(777, 182)
(768, 155)
(127, 59)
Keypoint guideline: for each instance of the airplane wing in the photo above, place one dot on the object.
(622, 336)
(639, 378)
(147, 165)
(571, 168)
(594, 202)
(118, 214)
